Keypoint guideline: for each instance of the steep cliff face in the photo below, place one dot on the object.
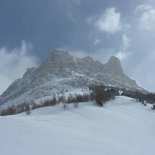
(113, 67)
(113, 72)
(62, 72)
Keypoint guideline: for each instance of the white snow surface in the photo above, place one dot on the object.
(121, 127)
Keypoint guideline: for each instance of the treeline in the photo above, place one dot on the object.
(98, 93)
(144, 98)
(141, 97)
(28, 106)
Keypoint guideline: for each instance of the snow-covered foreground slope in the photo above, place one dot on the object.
(122, 127)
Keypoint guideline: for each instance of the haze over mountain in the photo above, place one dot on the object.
(61, 72)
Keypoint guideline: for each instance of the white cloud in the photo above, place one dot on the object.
(123, 53)
(96, 41)
(110, 21)
(125, 42)
(147, 17)
(13, 63)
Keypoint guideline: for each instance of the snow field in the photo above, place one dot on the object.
(121, 127)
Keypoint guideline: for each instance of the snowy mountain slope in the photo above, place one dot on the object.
(122, 127)
(62, 72)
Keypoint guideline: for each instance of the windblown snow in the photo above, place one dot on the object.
(121, 127)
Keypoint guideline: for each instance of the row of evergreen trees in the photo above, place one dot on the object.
(141, 97)
(98, 94)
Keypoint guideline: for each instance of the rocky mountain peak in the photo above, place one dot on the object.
(58, 52)
(62, 71)
(59, 62)
(113, 66)
(114, 59)
(88, 59)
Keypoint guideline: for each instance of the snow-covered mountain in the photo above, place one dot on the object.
(61, 72)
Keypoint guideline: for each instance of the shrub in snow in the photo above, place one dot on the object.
(144, 104)
(76, 105)
(28, 112)
(9, 111)
(64, 106)
(27, 109)
(61, 99)
(100, 95)
(153, 107)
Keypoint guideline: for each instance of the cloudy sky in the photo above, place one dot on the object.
(31, 29)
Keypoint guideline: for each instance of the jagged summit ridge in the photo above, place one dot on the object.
(114, 67)
(62, 71)
(61, 62)
(58, 62)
